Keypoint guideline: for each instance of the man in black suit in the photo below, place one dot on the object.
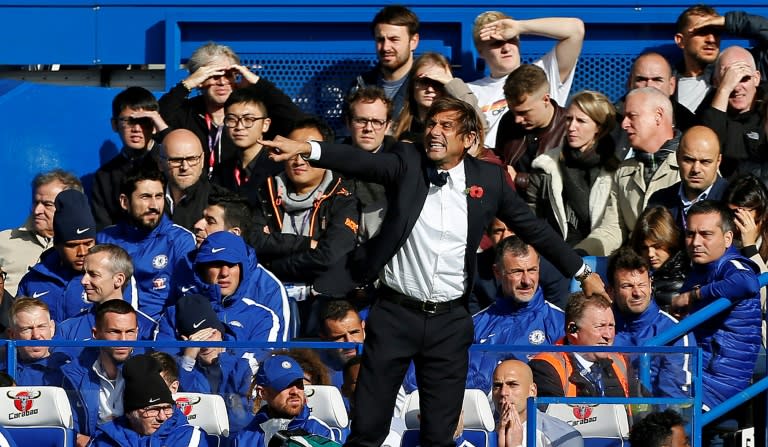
(698, 157)
(439, 201)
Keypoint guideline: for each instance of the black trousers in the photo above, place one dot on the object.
(438, 344)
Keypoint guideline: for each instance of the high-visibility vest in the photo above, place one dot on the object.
(562, 364)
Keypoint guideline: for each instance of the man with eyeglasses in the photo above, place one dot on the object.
(248, 115)
(151, 416)
(187, 191)
(135, 119)
(157, 246)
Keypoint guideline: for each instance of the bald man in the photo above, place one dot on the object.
(698, 158)
(734, 114)
(512, 385)
(648, 123)
(186, 194)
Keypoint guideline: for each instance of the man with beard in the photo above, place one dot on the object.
(158, 247)
(280, 384)
(94, 381)
(340, 322)
(396, 32)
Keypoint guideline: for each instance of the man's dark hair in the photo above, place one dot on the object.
(713, 207)
(134, 98)
(695, 10)
(368, 94)
(626, 259)
(335, 310)
(245, 95)
(317, 123)
(167, 364)
(68, 179)
(512, 245)
(525, 80)
(146, 170)
(120, 307)
(655, 429)
(468, 119)
(397, 15)
(237, 213)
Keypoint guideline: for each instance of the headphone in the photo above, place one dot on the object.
(572, 328)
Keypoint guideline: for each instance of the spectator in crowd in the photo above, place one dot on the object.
(410, 227)
(215, 70)
(107, 273)
(279, 382)
(157, 246)
(653, 70)
(94, 381)
(698, 160)
(736, 113)
(648, 124)
(497, 40)
(486, 288)
(311, 225)
(249, 114)
(151, 416)
(659, 240)
(340, 322)
(20, 248)
(639, 318)
(169, 370)
(6, 301)
(135, 119)
(225, 212)
(698, 35)
(747, 197)
(430, 79)
(213, 370)
(395, 30)
(730, 342)
(589, 322)
(56, 278)
(187, 189)
(574, 180)
(663, 429)
(236, 288)
(36, 365)
(534, 124)
(519, 316)
(512, 386)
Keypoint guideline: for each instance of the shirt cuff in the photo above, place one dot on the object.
(315, 154)
(580, 271)
(187, 363)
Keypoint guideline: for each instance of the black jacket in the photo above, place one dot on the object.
(670, 199)
(190, 208)
(333, 224)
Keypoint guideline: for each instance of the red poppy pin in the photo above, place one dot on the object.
(475, 191)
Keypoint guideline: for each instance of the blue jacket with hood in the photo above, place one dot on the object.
(174, 432)
(253, 435)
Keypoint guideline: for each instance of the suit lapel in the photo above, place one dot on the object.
(474, 204)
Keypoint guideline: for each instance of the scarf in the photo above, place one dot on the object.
(298, 207)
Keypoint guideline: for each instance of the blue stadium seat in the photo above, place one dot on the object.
(208, 412)
(37, 415)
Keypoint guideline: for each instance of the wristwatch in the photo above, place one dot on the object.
(583, 276)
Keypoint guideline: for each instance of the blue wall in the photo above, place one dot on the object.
(310, 49)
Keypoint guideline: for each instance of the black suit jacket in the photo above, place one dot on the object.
(669, 199)
(403, 172)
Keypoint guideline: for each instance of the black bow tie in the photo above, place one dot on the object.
(437, 178)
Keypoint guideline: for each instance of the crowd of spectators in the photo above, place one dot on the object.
(193, 232)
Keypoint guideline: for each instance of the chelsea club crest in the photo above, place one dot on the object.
(536, 337)
(159, 261)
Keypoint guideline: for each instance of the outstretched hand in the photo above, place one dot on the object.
(282, 149)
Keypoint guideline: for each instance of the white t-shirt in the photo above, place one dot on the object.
(691, 91)
(490, 93)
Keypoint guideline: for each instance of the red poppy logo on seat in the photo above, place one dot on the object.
(23, 400)
(185, 404)
(582, 411)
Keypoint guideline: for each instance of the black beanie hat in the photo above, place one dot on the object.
(73, 219)
(193, 313)
(144, 386)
